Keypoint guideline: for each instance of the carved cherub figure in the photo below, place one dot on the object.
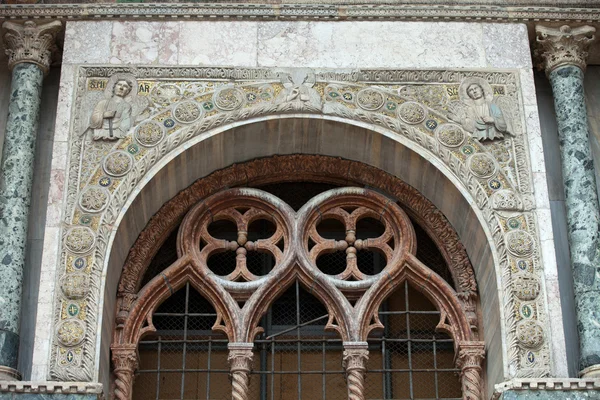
(113, 116)
(477, 112)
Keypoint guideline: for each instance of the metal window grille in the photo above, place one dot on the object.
(295, 358)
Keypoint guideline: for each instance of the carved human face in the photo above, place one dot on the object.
(475, 91)
(122, 88)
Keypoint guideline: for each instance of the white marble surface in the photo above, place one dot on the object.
(87, 42)
(506, 46)
(144, 42)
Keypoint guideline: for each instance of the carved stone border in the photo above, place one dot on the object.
(517, 254)
(516, 13)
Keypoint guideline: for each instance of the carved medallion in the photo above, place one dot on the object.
(80, 239)
(166, 93)
(370, 99)
(506, 200)
(412, 113)
(520, 243)
(526, 288)
(149, 133)
(70, 332)
(530, 334)
(94, 199)
(187, 112)
(450, 135)
(481, 165)
(118, 163)
(229, 99)
(74, 286)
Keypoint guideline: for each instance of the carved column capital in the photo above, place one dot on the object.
(356, 355)
(30, 43)
(469, 359)
(563, 46)
(125, 361)
(240, 364)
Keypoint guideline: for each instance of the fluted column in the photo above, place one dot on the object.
(240, 364)
(29, 48)
(469, 360)
(356, 355)
(563, 53)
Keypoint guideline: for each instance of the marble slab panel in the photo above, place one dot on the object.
(144, 42)
(370, 44)
(218, 43)
(87, 42)
(506, 46)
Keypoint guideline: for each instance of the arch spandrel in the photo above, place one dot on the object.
(493, 177)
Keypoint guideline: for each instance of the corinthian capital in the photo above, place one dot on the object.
(563, 46)
(30, 43)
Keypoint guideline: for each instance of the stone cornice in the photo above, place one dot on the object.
(295, 11)
(547, 384)
(563, 46)
(51, 387)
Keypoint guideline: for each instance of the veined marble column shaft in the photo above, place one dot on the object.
(564, 54)
(29, 50)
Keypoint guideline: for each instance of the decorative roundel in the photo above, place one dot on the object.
(149, 133)
(166, 93)
(94, 199)
(481, 165)
(412, 112)
(370, 99)
(80, 239)
(520, 243)
(75, 285)
(530, 334)
(70, 332)
(229, 98)
(450, 135)
(526, 288)
(118, 163)
(187, 112)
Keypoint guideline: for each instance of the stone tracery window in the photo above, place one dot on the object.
(350, 244)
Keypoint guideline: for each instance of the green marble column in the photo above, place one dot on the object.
(29, 50)
(564, 54)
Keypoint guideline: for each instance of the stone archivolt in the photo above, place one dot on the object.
(294, 260)
(123, 164)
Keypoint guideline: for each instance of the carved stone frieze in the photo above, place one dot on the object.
(563, 46)
(31, 43)
(497, 178)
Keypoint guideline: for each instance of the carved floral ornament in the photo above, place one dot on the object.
(289, 245)
(165, 119)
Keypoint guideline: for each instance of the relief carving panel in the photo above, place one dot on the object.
(131, 117)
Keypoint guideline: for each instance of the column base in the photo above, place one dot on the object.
(591, 372)
(9, 374)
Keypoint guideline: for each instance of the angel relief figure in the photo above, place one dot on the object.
(477, 112)
(113, 116)
(299, 93)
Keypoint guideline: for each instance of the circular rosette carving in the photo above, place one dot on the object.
(450, 135)
(187, 112)
(354, 235)
(240, 235)
(530, 334)
(94, 199)
(412, 113)
(229, 99)
(118, 163)
(80, 239)
(520, 243)
(166, 93)
(481, 165)
(370, 99)
(70, 332)
(75, 286)
(149, 133)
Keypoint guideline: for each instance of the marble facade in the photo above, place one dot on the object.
(345, 58)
